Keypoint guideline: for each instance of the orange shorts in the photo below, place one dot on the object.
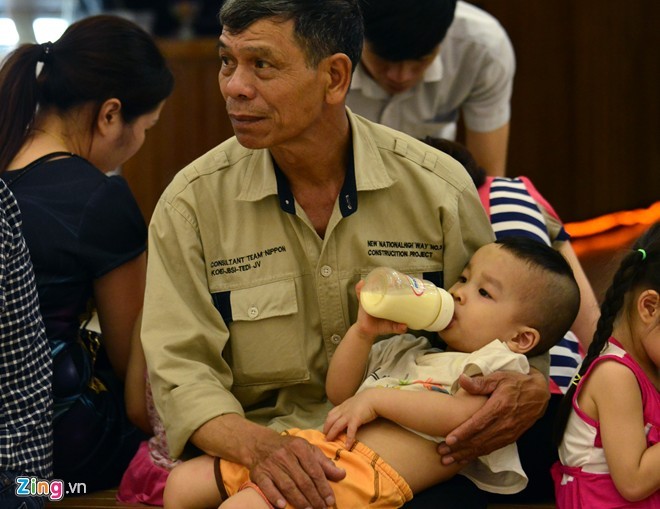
(369, 482)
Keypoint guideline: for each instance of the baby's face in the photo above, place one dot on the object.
(488, 298)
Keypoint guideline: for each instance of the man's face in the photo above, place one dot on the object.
(272, 97)
(395, 77)
(489, 299)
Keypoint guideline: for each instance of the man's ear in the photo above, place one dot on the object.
(338, 67)
(109, 118)
(524, 340)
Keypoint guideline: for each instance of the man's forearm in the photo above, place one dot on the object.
(489, 149)
(231, 437)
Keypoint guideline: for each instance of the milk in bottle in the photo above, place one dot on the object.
(401, 298)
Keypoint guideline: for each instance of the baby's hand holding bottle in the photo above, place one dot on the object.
(370, 327)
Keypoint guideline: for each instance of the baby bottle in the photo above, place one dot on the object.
(401, 298)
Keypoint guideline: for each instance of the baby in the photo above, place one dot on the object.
(516, 298)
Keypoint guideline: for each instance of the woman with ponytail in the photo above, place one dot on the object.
(72, 111)
(608, 425)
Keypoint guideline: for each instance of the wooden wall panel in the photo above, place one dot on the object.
(192, 121)
(586, 113)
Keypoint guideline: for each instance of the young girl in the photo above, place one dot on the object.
(608, 426)
(144, 480)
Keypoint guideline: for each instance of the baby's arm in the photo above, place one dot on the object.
(346, 370)
(430, 412)
(614, 391)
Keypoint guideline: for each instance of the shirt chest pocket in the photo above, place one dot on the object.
(266, 346)
(265, 301)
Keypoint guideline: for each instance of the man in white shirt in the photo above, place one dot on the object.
(427, 62)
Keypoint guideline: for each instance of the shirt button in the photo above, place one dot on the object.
(336, 338)
(326, 270)
(253, 312)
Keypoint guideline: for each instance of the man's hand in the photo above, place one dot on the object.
(349, 416)
(290, 469)
(516, 401)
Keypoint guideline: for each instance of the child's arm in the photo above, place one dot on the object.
(346, 370)
(584, 325)
(430, 412)
(613, 391)
(135, 383)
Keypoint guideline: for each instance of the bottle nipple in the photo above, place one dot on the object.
(446, 312)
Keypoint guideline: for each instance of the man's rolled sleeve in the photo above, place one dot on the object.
(184, 422)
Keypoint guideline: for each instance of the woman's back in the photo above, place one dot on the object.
(79, 224)
(94, 93)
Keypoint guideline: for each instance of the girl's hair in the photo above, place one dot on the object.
(97, 58)
(639, 269)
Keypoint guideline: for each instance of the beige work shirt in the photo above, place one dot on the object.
(245, 303)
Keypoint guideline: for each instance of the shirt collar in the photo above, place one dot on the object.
(365, 172)
(348, 200)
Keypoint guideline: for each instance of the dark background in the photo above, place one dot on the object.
(586, 101)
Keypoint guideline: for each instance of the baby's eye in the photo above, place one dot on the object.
(484, 293)
(462, 279)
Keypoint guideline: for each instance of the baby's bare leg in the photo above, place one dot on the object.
(191, 485)
(247, 497)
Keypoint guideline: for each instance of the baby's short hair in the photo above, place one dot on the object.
(554, 302)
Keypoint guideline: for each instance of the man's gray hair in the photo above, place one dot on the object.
(322, 27)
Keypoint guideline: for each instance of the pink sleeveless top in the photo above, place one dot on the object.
(582, 478)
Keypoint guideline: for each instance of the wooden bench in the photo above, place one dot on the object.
(106, 500)
(97, 500)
